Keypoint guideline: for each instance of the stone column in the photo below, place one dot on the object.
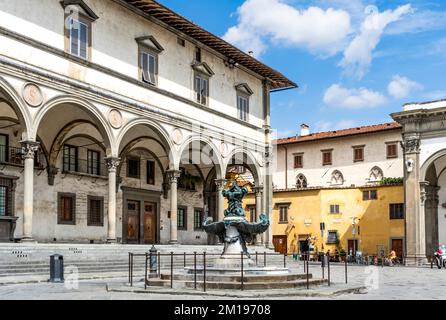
(220, 199)
(414, 200)
(431, 215)
(173, 176)
(112, 165)
(268, 187)
(258, 193)
(29, 149)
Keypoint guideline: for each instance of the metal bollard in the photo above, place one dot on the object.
(145, 272)
(308, 272)
(241, 268)
(346, 279)
(171, 270)
(328, 268)
(195, 270)
(204, 271)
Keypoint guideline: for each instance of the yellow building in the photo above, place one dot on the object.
(377, 211)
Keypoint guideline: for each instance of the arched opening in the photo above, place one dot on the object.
(376, 175)
(337, 178)
(301, 182)
(142, 199)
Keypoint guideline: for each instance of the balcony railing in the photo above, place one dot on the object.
(14, 156)
(86, 167)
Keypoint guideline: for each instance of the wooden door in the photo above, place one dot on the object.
(133, 213)
(397, 246)
(280, 244)
(149, 222)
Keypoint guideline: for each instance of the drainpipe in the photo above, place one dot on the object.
(286, 167)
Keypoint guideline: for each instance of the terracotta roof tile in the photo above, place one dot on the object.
(340, 133)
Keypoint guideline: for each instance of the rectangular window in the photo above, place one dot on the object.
(133, 168)
(70, 162)
(93, 162)
(4, 142)
(392, 150)
(370, 195)
(149, 67)
(298, 161)
(332, 237)
(335, 209)
(3, 200)
(243, 107)
(252, 213)
(326, 158)
(181, 219)
(79, 38)
(283, 217)
(198, 54)
(67, 208)
(201, 89)
(150, 172)
(396, 211)
(358, 154)
(95, 211)
(181, 42)
(198, 219)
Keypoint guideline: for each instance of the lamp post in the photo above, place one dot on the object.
(322, 234)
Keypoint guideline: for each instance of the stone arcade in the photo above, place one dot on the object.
(120, 119)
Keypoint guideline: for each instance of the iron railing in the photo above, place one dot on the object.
(14, 156)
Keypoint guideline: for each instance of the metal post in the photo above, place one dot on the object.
(195, 270)
(241, 268)
(432, 262)
(257, 258)
(184, 258)
(171, 270)
(328, 268)
(129, 267)
(346, 278)
(145, 274)
(284, 260)
(159, 264)
(323, 265)
(308, 272)
(204, 271)
(264, 258)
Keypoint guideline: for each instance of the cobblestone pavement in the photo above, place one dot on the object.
(384, 283)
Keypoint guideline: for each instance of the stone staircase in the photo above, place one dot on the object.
(27, 263)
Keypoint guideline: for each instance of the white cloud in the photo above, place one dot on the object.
(358, 55)
(401, 87)
(320, 31)
(418, 21)
(324, 125)
(338, 96)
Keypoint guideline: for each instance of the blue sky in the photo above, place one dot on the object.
(355, 61)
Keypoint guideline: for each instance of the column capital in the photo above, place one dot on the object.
(221, 183)
(258, 190)
(29, 149)
(173, 176)
(112, 163)
(411, 143)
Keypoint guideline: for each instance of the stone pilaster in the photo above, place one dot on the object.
(112, 165)
(414, 198)
(29, 149)
(221, 183)
(172, 177)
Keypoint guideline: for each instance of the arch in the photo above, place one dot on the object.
(18, 105)
(102, 125)
(337, 178)
(425, 166)
(214, 153)
(157, 159)
(376, 174)
(301, 181)
(252, 164)
(165, 140)
(62, 134)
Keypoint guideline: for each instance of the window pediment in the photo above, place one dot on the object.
(244, 88)
(151, 43)
(82, 8)
(203, 68)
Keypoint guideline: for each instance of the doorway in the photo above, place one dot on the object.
(280, 244)
(397, 246)
(352, 246)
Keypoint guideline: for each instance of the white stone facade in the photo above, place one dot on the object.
(99, 105)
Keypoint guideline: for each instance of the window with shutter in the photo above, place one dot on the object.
(201, 89)
(198, 219)
(358, 154)
(79, 38)
(332, 237)
(392, 150)
(243, 107)
(66, 208)
(95, 211)
(181, 219)
(70, 161)
(298, 161)
(326, 158)
(4, 148)
(93, 162)
(149, 67)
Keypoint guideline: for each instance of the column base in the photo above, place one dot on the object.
(173, 242)
(415, 260)
(28, 240)
(112, 241)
